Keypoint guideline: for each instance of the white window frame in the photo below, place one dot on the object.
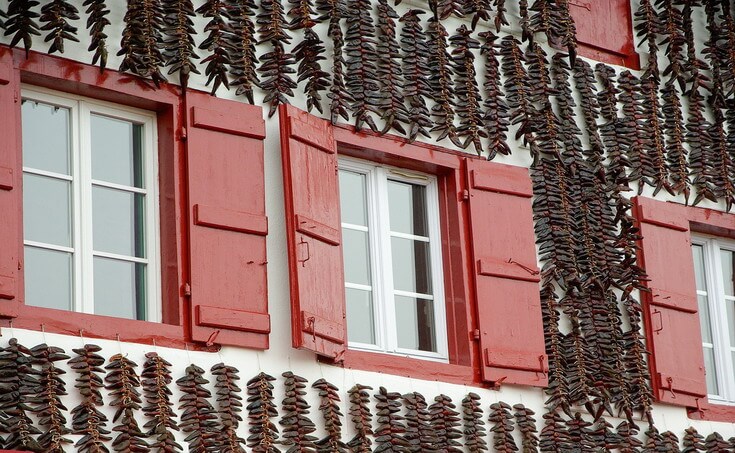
(80, 110)
(716, 299)
(381, 263)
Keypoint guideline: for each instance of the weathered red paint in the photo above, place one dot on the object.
(314, 235)
(226, 195)
(11, 239)
(670, 306)
(506, 276)
(605, 31)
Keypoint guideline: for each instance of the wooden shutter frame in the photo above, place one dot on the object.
(226, 138)
(703, 221)
(662, 307)
(11, 201)
(521, 360)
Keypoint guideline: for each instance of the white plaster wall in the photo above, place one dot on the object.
(281, 356)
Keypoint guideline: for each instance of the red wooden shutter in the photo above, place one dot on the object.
(314, 233)
(605, 31)
(506, 275)
(672, 321)
(227, 222)
(11, 174)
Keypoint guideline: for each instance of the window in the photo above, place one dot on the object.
(392, 260)
(714, 261)
(89, 206)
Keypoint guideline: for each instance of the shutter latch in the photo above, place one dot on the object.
(186, 289)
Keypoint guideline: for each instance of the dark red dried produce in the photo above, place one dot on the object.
(297, 426)
(361, 65)
(276, 65)
(441, 83)
(156, 382)
(178, 45)
(416, 70)
(389, 70)
(391, 428)
(262, 410)
(329, 407)
(47, 405)
(142, 40)
(243, 59)
(361, 419)
(97, 12)
(55, 17)
(21, 23)
(198, 417)
(229, 405)
(496, 118)
(473, 426)
(446, 424)
(469, 112)
(19, 387)
(87, 420)
(419, 434)
(123, 385)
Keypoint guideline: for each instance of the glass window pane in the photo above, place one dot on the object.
(116, 151)
(47, 210)
(711, 371)
(118, 222)
(728, 276)
(352, 198)
(119, 288)
(704, 319)
(46, 137)
(698, 252)
(415, 324)
(356, 256)
(411, 265)
(407, 203)
(360, 316)
(48, 278)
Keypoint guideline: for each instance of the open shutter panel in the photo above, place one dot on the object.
(11, 238)
(506, 275)
(314, 233)
(672, 319)
(605, 31)
(227, 222)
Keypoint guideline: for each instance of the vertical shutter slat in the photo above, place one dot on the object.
(11, 202)
(227, 222)
(670, 306)
(314, 233)
(506, 274)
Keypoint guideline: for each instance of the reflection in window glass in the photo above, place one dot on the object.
(119, 288)
(415, 324)
(48, 278)
(411, 265)
(47, 212)
(389, 241)
(713, 265)
(407, 208)
(87, 205)
(117, 151)
(47, 150)
(360, 324)
(118, 222)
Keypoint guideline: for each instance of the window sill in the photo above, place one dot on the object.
(98, 326)
(411, 367)
(713, 413)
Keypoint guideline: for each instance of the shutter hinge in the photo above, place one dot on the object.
(186, 289)
(464, 195)
(476, 334)
(183, 134)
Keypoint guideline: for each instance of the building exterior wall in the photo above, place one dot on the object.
(281, 356)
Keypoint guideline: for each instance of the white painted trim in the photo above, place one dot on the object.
(381, 263)
(716, 301)
(81, 109)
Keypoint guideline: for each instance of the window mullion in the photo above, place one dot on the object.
(714, 281)
(437, 272)
(85, 194)
(727, 368)
(382, 225)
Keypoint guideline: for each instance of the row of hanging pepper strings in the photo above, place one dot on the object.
(34, 416)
